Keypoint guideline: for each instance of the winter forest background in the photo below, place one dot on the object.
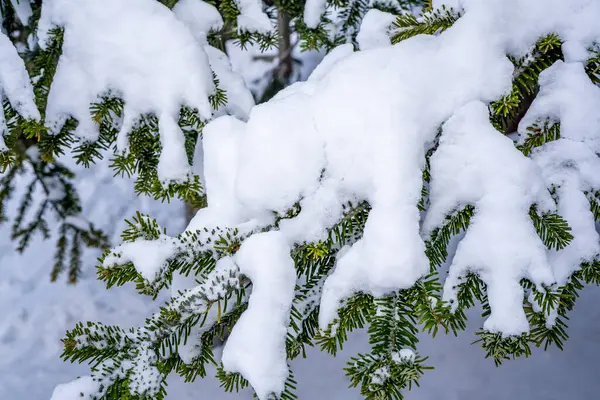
(35, 313)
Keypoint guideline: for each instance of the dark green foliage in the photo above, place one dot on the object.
(538, 135)
(430, 23)
(552, 228)
(508, 111)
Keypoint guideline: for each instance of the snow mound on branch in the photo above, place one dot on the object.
(570, 164)
(371, 146)
(358, 130)
(501, 250)
(374, 29)
(201, 18)
(137, 50)
(14, 85)
(256, 346)
(148, 256)
(82, 388)
(313, 11)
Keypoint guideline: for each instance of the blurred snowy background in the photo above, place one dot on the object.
(34, 313)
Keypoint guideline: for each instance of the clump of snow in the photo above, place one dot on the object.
(501, 250)
(313, 10)
(567, 95)
(252, 18)
(256, 346)
(571, 163)
(374, 29)
(332, 58)
(81, 389)
(239, 97)
(144, 379)
(148, 256)
(137, 50)
(14, 85)
(199, 16)
(404, 355)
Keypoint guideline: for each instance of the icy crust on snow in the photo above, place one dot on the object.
(256, 346)
(374, 29)
(137, 50)
(570, 164)
(502, 187)
(14, 85)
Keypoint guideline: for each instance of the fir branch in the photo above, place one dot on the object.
(437, 244)
(429, 23)
(552, 229)
(501, 348)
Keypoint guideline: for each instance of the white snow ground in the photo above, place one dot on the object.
(34, 315)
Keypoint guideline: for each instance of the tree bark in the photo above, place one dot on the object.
(285, 67)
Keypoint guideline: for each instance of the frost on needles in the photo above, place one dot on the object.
(331, 207)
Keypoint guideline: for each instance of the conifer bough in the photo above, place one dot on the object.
(451, 161)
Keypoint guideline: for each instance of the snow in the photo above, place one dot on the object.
(199, 16)
(567, 95)
(139, 51)
(324, 155)
(374, 29)
(239, 97)
(501, 250)
(404, 355)
(313, 10)
(330, 60)
(148, 256)
(14, 85)
(380, 375)
(256, 346)
(252, 18)
(571, 163)
(82, 388)
(389, 103)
